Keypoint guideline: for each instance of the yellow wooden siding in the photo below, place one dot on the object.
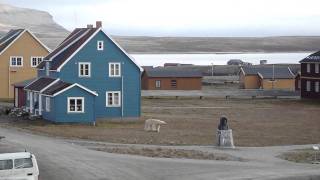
(251, 82)
(284, 84)
(25, 46)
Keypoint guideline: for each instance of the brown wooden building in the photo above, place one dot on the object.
(310, 76)
(171, 79)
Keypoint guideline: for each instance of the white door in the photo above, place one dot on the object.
(16, 96)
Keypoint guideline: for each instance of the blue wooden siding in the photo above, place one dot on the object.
(100, 80)
(59, 109)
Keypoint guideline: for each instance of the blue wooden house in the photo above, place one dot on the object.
(87, 77)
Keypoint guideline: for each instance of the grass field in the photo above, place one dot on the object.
(194, 121)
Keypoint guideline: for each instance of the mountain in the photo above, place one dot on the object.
(43, 26)
(40, 23)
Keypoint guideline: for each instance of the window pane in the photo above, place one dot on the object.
(112, 70)
(19, 62)
(79, 104)
(116, 99)
(117, 73)
(23, 163)
(72, 105)
(13, 61)
(6, 164)
(110, 99)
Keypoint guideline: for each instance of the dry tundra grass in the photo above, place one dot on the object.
(193, 121)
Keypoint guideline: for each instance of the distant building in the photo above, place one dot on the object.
(171, 79)
(175, 64)
(267, 77)
(310, 76)
(238, 62)
(263, 62)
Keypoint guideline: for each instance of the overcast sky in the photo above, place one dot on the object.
(187, 17)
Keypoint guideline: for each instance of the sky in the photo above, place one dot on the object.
(186, 17)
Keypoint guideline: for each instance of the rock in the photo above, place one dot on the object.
(153, 125)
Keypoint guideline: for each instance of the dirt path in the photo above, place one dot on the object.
(61, 159)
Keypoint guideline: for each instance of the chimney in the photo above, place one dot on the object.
(98, 24)
(89, 26)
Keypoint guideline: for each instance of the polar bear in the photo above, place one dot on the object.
(153, 125)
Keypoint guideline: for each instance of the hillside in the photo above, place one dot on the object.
(39, 22)
(219, 44)
(51, 33)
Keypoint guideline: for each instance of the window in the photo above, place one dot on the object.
(308, 68)
(316, 86)
(158, 84)
(6, 164)
(316, 68)
(114, 70)
(35, 61)
(100, 45)
(75, 105)
(23, 163)
(113, 98)
(174, 83)
(47, 104)
(308, 86)
(84, 69)
(16, 61)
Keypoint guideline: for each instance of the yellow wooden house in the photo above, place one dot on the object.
(20, 53)
(267, 77)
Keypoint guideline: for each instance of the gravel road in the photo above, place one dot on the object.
(61, 159)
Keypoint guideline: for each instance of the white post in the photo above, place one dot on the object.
(31, 102)
(40, 104)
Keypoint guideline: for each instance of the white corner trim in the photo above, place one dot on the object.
(73, 85)
(291, 72)
(12, 41)
(55, 81)
(25, 88)
(259, 74)
(75, 52)
(35, 37)
(244, 73)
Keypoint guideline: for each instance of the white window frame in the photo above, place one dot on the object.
(316, 86)
(16, 65)
(89, 69)
(75, 101)
(114, 70)
(113, 99)
(98, 45)
(308, 68)
(158, 83)
(316, 68)
(308, 86)
(39, 59)
(48, 105)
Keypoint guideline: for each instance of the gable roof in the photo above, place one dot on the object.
(315, 57)
(72, 44)
(267, 72)
(24, 83)
(7, 40)
(60, 86)
(39, 84)
(168, 72)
